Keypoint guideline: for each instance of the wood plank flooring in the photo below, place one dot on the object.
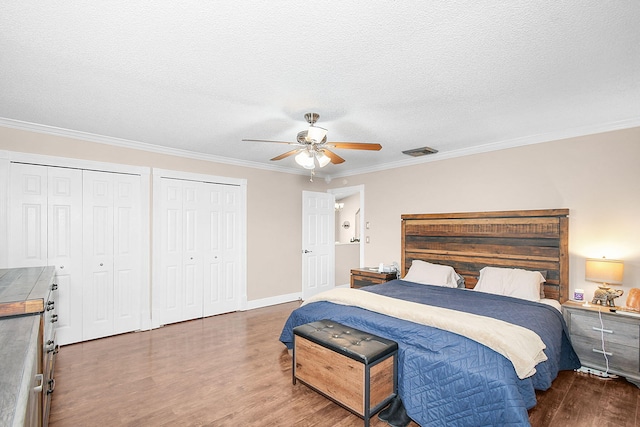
(231, 370)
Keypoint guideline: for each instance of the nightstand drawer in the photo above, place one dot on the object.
(621, 357)
(589, 326)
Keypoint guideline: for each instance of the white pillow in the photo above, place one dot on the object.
(512, 282)
(426, 273)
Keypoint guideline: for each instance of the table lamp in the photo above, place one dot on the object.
(605, 272)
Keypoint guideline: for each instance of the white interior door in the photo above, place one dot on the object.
(318, 243)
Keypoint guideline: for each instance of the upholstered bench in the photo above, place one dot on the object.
(355, 369)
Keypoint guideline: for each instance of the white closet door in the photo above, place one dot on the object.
(193, 236)
(181, 220)
(28, 216)
(112, 261)
(127, 251)
(64, 249)
(98, 301)
(222, 250)
(169, 286)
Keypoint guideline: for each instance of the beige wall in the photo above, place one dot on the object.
(274, 203)
(597, 177)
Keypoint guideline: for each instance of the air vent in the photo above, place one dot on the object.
(417, 152)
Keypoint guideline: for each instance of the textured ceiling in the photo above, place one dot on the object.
(458, 76)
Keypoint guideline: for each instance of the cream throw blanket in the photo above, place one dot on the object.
(521, 346)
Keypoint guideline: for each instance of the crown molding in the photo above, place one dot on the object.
(498, 145)
(142, 146)
(482, 148)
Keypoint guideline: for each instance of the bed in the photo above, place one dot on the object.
(451, 370)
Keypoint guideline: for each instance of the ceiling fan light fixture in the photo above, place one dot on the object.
(316, 134)
(323, 159)
(305, 159)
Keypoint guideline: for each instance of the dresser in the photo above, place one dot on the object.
(602, 337)
(366, 276)
(27, 344)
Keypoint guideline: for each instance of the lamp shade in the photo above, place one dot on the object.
(316, 134)
(607, 271)
(323, 159)
(305, 159)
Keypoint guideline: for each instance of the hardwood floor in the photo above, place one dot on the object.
(231, 370)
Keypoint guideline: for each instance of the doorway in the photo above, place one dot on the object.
(349, 232)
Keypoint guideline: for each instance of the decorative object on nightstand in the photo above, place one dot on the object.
(633, 300)
(606, 272)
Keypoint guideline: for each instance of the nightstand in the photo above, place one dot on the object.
(596, 332)
(364, 277)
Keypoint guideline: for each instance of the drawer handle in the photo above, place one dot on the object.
(54, 318)
(52, 385)
(39, 379)
(51, 305)
(608, 331)
(54, 287)
(606, 353)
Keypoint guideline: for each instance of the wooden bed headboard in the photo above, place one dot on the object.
(469, 241)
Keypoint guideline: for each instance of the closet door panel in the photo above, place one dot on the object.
(212, 251)
(220, 250)
(231, 253)
(126, 253)
(192, 256)
(98, 289)
(28, 216)
(170, 288)
(64, 249)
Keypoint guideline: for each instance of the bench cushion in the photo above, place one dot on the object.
(350, 342)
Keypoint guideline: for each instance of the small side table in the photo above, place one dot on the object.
(603, 338)
(361, 277)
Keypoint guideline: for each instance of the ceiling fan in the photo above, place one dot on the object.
(313, 147)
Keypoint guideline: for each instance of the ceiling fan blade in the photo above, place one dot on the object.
(287, 154)
(355, 145)
(335, 159)
(266, 140)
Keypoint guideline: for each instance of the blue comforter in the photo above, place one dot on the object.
(445, 379)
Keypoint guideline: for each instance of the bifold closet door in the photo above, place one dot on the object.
(45, 228)
(180, 284)
(221, 251)
(200, 236)
(112, 261)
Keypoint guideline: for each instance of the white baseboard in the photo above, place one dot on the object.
(266, 302)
